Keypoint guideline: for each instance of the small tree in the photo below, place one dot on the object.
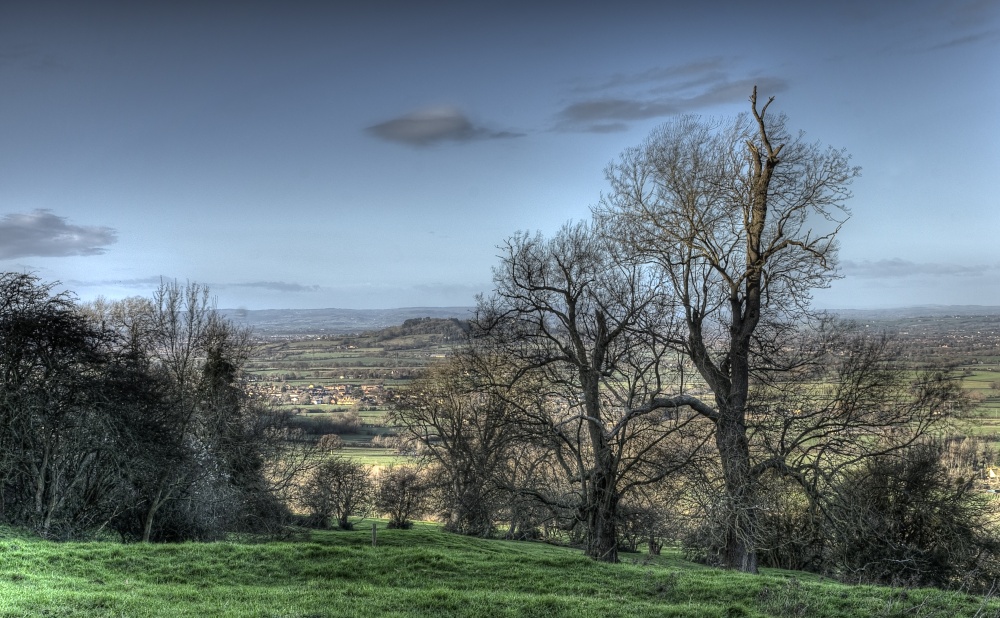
(400, 494)
(337, 489)
(469, 434)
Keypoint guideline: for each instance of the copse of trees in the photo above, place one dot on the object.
(132, 417)
(660, 365)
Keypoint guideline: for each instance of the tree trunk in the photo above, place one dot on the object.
(147, 525)
(740, 516)
(602, 518)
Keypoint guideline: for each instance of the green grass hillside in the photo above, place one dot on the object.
(420, 572)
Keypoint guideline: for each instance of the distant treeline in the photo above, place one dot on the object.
(451, 329)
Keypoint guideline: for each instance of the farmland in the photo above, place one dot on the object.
(345, 382)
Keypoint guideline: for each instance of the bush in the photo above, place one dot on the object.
(904, 520)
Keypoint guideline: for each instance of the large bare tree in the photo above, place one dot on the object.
(586, 323)
(741, 218)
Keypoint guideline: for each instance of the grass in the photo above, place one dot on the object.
(372, 456)
(419, 572)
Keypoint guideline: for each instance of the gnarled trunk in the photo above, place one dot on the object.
(740, 516)
(602, 517)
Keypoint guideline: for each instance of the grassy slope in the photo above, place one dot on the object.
(422, 572)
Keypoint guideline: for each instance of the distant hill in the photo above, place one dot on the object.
(289, 322)
(336, 321)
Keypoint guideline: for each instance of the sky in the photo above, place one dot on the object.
(314, 154)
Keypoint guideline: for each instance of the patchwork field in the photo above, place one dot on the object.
(348, 381)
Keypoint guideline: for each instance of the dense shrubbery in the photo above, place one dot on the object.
(132, 417)
(905, 520)
(898, 519)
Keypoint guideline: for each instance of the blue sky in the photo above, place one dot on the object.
(306, 155)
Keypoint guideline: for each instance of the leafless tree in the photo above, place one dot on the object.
(401, 494)
(468, 434)
(339, 489)
(586, 323)
(741, 219)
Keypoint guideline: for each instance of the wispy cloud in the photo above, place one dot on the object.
(143, 283)
(434, 125)
(896, 268)
(707, 68)
(43, 234)
(274, 286)
(968, 39)
(610, 104)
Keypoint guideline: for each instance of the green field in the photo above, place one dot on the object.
(378, 358)
(421, 572)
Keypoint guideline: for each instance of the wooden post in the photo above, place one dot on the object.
(374, 534)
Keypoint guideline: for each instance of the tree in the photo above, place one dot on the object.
(400, 493)
(58, 430)
(468, 432)
(588, 325)
(811, 430)
(213, 456)
(741, 219)
(339, 489)
(132, 416)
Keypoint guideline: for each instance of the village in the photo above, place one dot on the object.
(360, 396)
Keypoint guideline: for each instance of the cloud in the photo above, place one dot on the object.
(700, 69)
(43, 234)
(275, 286)
(988, 36)
(142, 283)
(659, 92)
(434, 125)
(896, 268)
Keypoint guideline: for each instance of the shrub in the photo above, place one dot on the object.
(904, 520)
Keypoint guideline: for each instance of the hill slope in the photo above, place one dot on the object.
(420, 572)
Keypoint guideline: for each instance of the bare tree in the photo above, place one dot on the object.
(468, 432)
(401, 494)
(741, 219)
(588, 324)
(339, 489)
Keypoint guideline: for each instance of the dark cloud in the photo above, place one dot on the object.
(434, 125)
(656, 93)
(896, 268)
(43, 234)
